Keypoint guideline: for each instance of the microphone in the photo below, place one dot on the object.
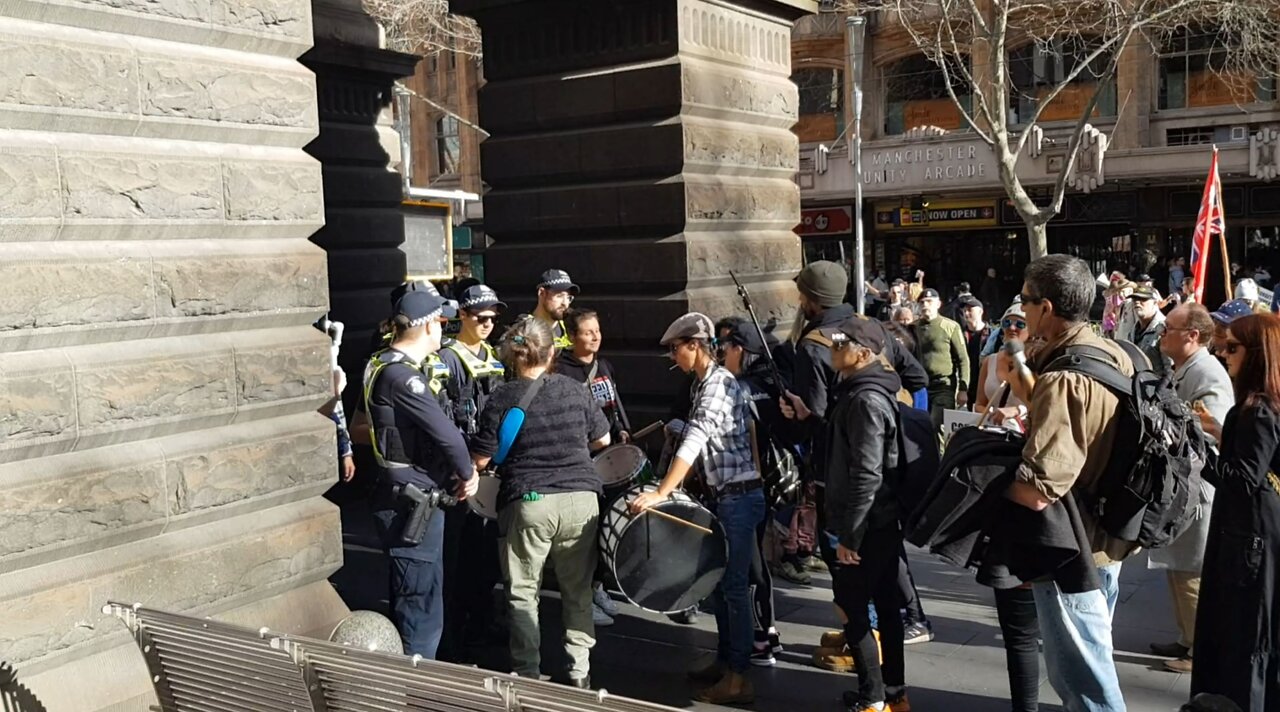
(1018, 352)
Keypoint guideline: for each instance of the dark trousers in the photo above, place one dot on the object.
(875, 579)
(761, 582)
(416, 581)
(913, 611)
(471, 570)
(1016, 610)
(941, 397)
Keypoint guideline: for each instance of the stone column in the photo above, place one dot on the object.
(357, 147)
(1135, 92)
(645, 147)
(158, 372)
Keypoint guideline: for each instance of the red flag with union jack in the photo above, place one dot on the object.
(1210, 222)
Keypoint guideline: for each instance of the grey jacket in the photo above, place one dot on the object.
(1202, 378)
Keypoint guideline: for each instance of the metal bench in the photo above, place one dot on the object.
(199, 665)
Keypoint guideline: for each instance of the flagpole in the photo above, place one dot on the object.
(1226, 265)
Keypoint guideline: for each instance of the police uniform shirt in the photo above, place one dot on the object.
(471, 376)
(430, 441)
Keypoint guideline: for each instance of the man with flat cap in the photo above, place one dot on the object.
(556, 291)
(416, 446)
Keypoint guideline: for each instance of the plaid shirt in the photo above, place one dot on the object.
(717, 430)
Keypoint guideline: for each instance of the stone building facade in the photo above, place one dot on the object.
(159, 375)
(1161, 114)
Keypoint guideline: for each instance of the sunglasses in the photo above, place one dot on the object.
(484, 319)
(1013, 324)
(1233, 347)
(1028, 299)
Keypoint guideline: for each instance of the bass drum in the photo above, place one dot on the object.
(661, 565)
(485, 501)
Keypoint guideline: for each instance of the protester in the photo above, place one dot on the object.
(743, 354)
(1177, 273)
(1222, 320)
(1148, 326)
(718, 434)
(549, 496)
(992, 392)
(1070, 436)
(977, 333)
(904, 316)
(1200, 379)
(1247, 291)
(941, 350)
(583, 363)
(962, 295)
(862, 511)
(1236, 646)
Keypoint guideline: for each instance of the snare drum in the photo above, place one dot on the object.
(485, 501)
(621, 467)
(658, 564)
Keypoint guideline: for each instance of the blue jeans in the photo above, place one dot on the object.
(1076, 628)
(739, 514)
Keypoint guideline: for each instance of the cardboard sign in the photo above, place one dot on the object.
(953, 420)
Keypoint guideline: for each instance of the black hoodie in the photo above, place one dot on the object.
(602, 384)
(862, 454)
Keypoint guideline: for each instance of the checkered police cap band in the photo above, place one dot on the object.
(558, 282)
(423, 320)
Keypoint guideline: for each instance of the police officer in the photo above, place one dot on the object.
(415, 444)
(555, 293)
(471, 542)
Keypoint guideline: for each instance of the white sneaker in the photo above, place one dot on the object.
(599, 617)
(602, 601)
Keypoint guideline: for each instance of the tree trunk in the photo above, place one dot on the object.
(1037, 238)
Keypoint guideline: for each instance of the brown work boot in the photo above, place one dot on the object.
(832, 639)
(898, 704)
(1182, 665)
(709, 674)
(833, 659)
(733, 689)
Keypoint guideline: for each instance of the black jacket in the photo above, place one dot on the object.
(814, 375)
(862, 455)
(603, 385)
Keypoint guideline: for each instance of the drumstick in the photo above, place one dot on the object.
(642, 432)
(678, 520)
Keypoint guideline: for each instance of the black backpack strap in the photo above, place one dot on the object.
(1138, 357)
(530, 393)
(1096, 364)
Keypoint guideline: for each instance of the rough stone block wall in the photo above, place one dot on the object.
(645, 146)
(158, 372)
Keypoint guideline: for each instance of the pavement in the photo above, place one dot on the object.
(645, 655)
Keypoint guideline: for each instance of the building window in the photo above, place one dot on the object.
(916, 96)
(453, 60)
(1195, 71)
(432, 64)
(1039, 68)
(448, 146)
(821, 104)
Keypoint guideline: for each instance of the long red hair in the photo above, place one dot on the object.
(1259, 377)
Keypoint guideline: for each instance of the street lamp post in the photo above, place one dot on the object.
(855, 28)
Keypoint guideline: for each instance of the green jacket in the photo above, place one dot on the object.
(941, 350)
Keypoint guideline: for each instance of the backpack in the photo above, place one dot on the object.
(917, 453)
(1150, 488)
(779, 463)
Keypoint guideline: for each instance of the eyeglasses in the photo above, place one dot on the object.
(1013, 324)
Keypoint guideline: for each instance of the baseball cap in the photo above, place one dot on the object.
(743, 333)
(858, 330)
(1144, 277)
(1231, 311)
(1247, 289)
(481, 297)
(693, 325)
(448, 308)
(823, 281)
(1143, 293)
(557, 280)
(929, 294)
(419, 306)
(969, 301)
(1014, 309)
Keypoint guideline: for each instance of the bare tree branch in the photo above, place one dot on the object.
(425, 27)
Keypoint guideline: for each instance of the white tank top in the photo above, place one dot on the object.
(993, 385)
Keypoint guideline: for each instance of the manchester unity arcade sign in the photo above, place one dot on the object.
(917, 166)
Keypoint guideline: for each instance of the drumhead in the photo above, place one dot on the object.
(619, 463)
(664, 566)
(485, 501)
